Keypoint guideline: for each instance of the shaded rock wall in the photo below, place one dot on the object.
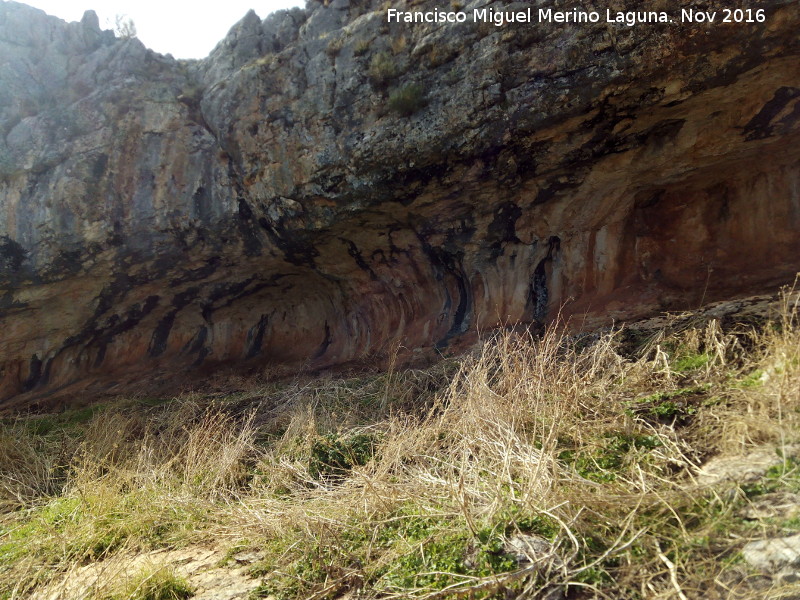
(271, 205)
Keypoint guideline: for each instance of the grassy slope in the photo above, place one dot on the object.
(409, 484)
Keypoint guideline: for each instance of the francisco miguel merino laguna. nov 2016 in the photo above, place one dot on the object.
(548, 15)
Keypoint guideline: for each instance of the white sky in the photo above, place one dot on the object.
(183, 29)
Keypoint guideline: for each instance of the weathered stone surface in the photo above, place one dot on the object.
(774, 554)
(267, 206)
(746, 468)
(204, 569)
(777, 505)
(531, 550)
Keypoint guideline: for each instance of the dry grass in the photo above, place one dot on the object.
(410, 484)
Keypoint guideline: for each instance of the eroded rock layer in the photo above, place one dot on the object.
(326, 187)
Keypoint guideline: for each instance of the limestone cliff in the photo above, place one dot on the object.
(326, 186)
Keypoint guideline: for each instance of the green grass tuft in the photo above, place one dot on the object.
(407, 100)
(153, 584)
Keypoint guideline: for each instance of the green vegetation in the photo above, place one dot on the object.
(335, 46)
(420, 484)
(361, 47)
(407, 100)
(691, 362)
(753, 379)
(152, 584)
(676, 406)
(410, 549)
(332, 455)
(614, 453)
(382, 69)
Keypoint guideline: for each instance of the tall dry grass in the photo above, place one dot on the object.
(412, 484)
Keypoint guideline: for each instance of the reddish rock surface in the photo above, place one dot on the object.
(271, 204)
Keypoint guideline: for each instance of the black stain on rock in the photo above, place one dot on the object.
(34, 374)
(245, 212)
(447, 269)
(12, 254)
(198, 342)
(326, 342)
(100, 334)
(158, 341)
(355, 253)
(8, 303)
(66, 264)
(295, 248)
(552, 188)
(648, 199)
(247, 229)
(99, 167)
(502, 230)
(761, 126)
(255, 337)
(201, 204)
(225, 294)
(538, 291)
(405, 186)
(197, 274)
(101, 354)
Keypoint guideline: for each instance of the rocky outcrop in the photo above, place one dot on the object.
(326, 187)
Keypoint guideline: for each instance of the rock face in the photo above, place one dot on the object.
(327, 186)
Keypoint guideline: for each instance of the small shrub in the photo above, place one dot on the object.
(335, 46)
(440, 55)
(333, 456)
(361, 47)
(150, 584)
(399, 44)
(124, 27)
(382, 69)
(407, 100)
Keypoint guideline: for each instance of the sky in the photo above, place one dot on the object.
(183, 29)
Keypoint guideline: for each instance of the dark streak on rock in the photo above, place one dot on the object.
(538, 293)
(553, 188)
(231, 292)
(296, 250)
(447, 265)
(326, 342)
(661, 132)
(355, 253)
(34, 373)
(760, 126)
(247, 229)
(8, 304)
(158, 342)
(12, 254)
(198, 342)
(96, 334)
(502, 229)
(197, 274)
(255, 337)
